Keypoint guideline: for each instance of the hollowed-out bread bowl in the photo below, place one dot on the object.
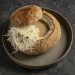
(26, 15)
(34, 14)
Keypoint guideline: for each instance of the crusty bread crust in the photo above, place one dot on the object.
(26, 15)
(43, 45)
(30, 14)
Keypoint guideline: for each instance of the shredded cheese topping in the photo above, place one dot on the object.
(23, 39)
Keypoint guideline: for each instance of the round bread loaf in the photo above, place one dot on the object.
(26, 15)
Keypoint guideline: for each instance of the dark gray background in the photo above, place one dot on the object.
(66, 8)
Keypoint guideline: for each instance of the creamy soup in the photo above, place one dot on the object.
(43, 27)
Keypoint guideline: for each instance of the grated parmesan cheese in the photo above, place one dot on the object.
(23, 39)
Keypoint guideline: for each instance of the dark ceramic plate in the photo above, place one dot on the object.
(48, 59)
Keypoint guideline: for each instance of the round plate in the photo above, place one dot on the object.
(48, 59)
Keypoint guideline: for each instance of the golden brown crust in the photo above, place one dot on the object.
(48, 42)
(26, 15)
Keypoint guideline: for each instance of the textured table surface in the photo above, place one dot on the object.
(66, 8)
